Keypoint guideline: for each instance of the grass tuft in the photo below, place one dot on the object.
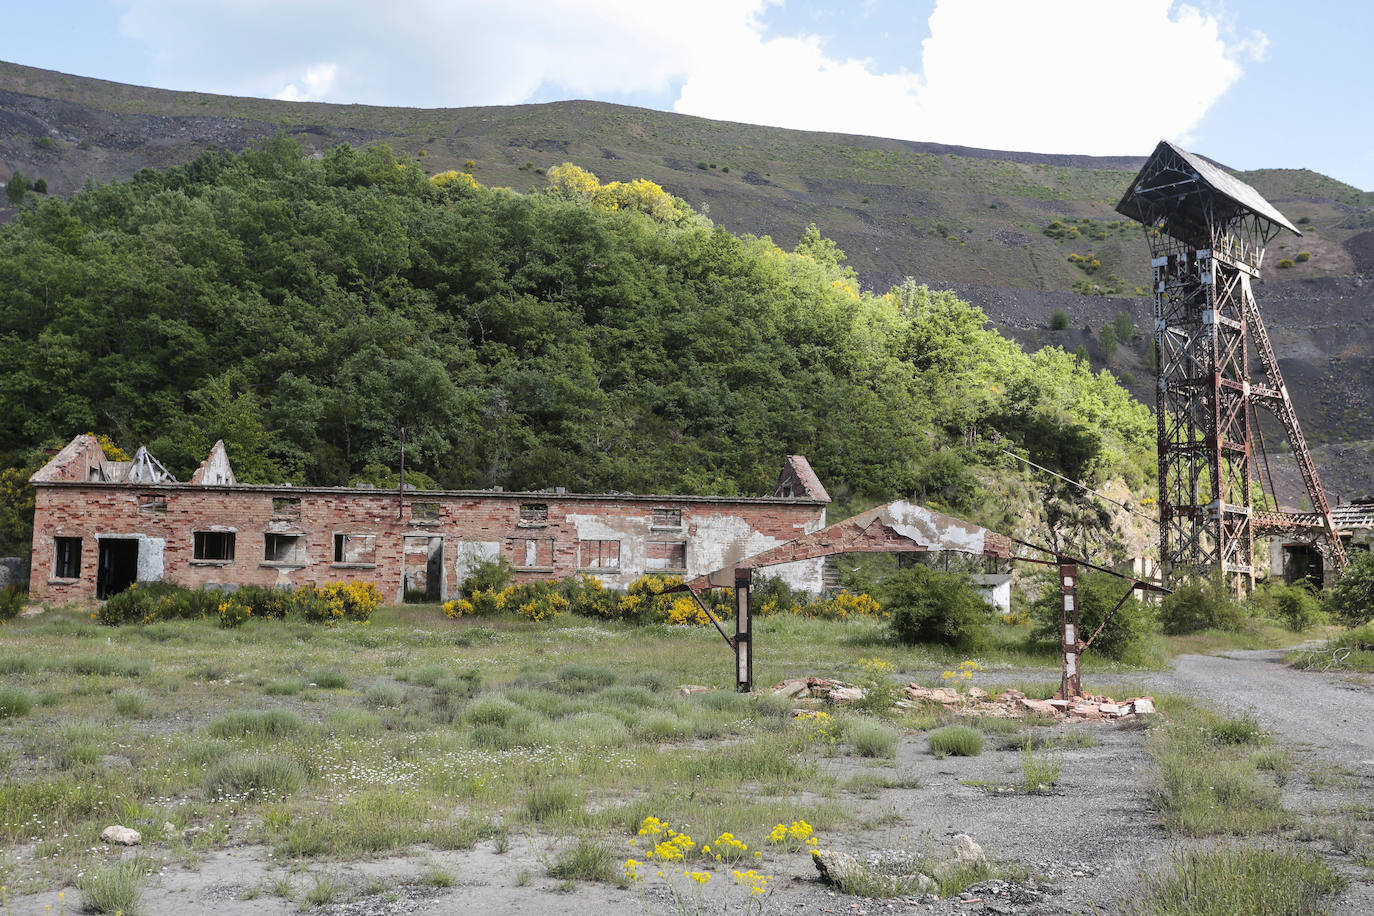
(249, 774)
(1224, 882)
(872, 739)
(555, 800)
(130, 703)
(586, 860)
(16, 701)
(255, 723)
(955, 741)
(114, 888)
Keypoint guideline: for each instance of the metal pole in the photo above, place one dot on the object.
(744, 639)
(401, 487)
(1071, 682)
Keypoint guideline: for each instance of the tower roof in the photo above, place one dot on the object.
(1186, 193)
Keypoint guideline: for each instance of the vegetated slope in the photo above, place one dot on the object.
(1020, 235)
(590, 336)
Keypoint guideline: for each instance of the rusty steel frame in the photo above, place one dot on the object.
(1206, 324)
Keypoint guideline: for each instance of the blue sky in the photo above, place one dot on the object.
(1252, 84)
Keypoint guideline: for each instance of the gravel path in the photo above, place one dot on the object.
(1331, 712)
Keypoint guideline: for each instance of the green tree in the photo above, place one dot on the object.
(1106, 339)
(930, 606)
(16, 188)
(1125, 637)
(1124, 326)
(1351, 599)
(1059, 320)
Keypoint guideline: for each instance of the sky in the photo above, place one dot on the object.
(1249, 83)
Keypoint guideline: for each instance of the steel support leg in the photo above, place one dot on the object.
(744, 644)
(1071, 683)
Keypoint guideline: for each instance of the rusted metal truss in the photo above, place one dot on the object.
(1207, 232)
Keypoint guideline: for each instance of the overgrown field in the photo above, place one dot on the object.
(360, 740)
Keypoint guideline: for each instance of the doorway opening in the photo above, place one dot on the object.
(117, 567)
(423, 577)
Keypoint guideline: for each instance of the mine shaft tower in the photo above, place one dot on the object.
(1214, 362)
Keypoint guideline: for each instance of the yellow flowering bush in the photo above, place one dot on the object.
(233, 613)
(757, 883)
(818, 726)
(460, 607)
(542, 607)
(351, 600)
(964, 675)
(795, 836)
(727, 848)
(684, 611)
(454, 180)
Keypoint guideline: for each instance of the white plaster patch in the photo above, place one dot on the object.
(469, 554)
(939, 532)
(721, 541)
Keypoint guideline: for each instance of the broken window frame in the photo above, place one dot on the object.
(425, 513)
(534, 515)
(671, 550)
(287, 507)
(593, 554)
(294, 556)
(664, 518)
(66, 554)
(521, 552)
(201, 552)
(152, 503)
(341, 544)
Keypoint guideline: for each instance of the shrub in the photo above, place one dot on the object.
(490, 575)
(927, 605)
(1106, 339)
(267, 603)
(1303, 257)
(1123, 638)
(129, 703)
(955, 741)
(1284, 263)
(1198, 606)
(41, 186)
(233, 613)
(587, 597)
(12, 601)
(1296, 605)
(15, 701)
(337, 601)
(1059, 320)
(1351, 599)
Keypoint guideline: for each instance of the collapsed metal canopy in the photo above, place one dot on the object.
(1182, 194)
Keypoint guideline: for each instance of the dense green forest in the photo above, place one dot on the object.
(598, 337)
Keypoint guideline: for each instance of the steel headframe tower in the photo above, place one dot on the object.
(1207, 231)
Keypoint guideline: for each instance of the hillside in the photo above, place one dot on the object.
(998, 227)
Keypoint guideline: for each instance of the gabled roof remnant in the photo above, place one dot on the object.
(1184, 192)
(797, 480)
(215, 470)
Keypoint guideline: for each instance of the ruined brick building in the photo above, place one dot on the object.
(101, 525)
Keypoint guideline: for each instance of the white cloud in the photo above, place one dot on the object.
(1078, 76)
(318, 81)
(1082, 76)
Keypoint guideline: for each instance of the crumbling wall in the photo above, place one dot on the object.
(290, 535)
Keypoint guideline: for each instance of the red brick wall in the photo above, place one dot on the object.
(713, 530)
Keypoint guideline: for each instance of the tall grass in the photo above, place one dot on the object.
(114, 888)
(1239, 882)
(955, 741)
(262, 723)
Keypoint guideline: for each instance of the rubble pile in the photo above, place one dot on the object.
(1009, 704)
